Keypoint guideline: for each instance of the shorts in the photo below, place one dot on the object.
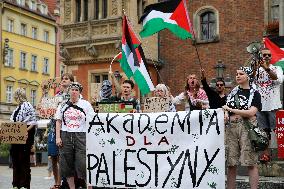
(266, 119)
(72, 155)
(238, 145)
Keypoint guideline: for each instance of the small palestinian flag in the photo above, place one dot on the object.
(132, 59)
(276, 47)
(170, 15)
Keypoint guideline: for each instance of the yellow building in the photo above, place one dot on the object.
(27, 55)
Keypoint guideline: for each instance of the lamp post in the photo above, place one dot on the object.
(220, 67)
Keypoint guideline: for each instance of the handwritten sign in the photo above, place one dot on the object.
(95, 90)
(114, 107)
(156, 104)
(280, 133)
(13, 132)
(48, 106)
(51, 83)
(156, 150)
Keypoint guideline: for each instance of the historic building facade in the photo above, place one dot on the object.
(91, 38)
(27, 55)
(223, 30)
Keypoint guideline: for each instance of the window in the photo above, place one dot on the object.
(24, 29)
(98, 78)
(100, 9)
(34, 32)
(46, 36)
(78, 10)
(21, 2)
(208, 25)
(9, 58)
(9, 93)
(97, 9)
(104, 8)
(23, 60)
(33, 97)
(34, 63)
(44, 9)
(140, 8)
(275, 10)
(33, 5)
(206, 22)
(85, 10)
(62, 69)
(45, 66)
(10, 25)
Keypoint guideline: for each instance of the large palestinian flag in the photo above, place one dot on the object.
(132, 60)
(170, 15)
(276, 47)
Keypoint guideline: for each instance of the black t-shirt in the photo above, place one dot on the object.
(243, 95)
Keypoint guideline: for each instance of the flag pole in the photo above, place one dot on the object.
(131, 25)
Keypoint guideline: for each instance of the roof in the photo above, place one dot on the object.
(52, 5)
(27, 8)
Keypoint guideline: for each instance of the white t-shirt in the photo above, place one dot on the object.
(269, 89)
(74, 116)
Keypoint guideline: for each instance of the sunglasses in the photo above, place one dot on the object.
(219, 85)
(264, 55)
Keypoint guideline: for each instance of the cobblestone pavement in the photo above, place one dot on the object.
(37, 181)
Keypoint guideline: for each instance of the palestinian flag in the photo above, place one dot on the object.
(276, 47)
(170, 15)
(132, 59)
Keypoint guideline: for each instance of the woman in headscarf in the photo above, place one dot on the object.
(162, 91)
(20, 153)
(242, 103)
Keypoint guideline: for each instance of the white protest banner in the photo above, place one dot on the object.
(157, 150)
(156, 104)
(13, 132)
(48, 106)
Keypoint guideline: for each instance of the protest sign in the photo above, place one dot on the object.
(156, 104)
(157, 150)
(114, 107)
(95, 90)
(48, 106)
(13, 132)
(280, 133)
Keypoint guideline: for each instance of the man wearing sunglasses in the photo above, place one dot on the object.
(268, 79)
(216, 98)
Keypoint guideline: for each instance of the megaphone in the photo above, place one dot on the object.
(254, 47)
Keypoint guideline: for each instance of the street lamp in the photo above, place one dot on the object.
(220, 67)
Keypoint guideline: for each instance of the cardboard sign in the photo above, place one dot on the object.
(48, 106)
(51, 83)
(280, 133)
(156, 150)
(156, 104)
(13, 132)
(114, 107)
(95, 90)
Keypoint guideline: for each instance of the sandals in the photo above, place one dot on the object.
(55, 187)
(264, 158)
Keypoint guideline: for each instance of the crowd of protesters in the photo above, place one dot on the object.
(256, 98)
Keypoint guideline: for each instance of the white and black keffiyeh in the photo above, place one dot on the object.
(106, 90)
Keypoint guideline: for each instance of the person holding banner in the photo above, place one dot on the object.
(162, 91)
(127, 87)
(243, 102)
(20, 153)
(193, 97)
(71, 126)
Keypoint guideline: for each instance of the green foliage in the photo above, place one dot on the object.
(4, 150)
